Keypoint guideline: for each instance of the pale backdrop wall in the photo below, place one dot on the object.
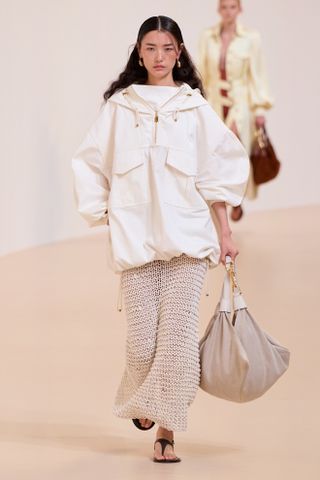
(57, 57)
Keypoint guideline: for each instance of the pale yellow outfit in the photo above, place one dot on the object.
(246, 84)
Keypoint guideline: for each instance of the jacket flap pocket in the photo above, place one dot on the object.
(126, 160)
(182, 160)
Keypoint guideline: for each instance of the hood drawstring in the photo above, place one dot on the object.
(136, 111)
(175, 114)
(137, 117)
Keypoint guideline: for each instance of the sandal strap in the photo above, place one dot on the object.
(164, 442)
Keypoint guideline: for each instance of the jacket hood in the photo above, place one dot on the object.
(184, 99)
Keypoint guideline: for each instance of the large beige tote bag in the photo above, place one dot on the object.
(239, 361)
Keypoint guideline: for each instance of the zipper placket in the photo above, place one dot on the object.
(156, 121)
(156, 112)
(155, 118)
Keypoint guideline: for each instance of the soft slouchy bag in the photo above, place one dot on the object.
(239, 361)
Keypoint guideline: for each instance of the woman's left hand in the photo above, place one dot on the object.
(227, 247)
(260, 121)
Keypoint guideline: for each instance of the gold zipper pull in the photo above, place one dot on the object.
(156, 117)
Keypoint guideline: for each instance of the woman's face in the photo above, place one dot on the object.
(229, 10)
(159, 52)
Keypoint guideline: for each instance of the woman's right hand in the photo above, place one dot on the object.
(227, 247)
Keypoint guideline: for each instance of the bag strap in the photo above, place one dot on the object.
(231, 298)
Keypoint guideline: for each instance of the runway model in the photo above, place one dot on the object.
(234, 78)
(151, 168)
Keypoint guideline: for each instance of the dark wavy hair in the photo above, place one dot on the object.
(134, 73)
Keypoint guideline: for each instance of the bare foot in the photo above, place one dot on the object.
(168, 453)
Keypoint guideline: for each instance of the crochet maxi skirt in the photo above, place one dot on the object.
(162, 371)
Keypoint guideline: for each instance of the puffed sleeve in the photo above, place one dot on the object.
(223, 163)
(259, 95)
(91, 169)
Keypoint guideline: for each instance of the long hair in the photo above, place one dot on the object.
(135, 73)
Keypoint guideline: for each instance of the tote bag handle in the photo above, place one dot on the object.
(231, 297)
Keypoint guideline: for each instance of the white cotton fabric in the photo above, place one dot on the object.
(162, 372)
(149, 170)
(155, 95)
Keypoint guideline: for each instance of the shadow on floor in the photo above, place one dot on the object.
(97, 440)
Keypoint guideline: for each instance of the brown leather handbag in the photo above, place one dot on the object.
(264, 162)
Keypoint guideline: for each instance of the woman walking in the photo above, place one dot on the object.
(233, 73)
(151, 167)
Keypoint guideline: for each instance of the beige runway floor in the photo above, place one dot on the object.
(62, 353)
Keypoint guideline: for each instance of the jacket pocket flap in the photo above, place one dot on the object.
(127, 160)
(182, 160)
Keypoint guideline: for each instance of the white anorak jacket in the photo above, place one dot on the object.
(150, 170)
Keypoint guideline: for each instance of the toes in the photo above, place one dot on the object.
(169, 453)
(170, 456)
(158, 455)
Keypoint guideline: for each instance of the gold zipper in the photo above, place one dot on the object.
(156, 120)
(156, 114)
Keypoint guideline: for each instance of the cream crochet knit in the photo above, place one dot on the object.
(162, 352)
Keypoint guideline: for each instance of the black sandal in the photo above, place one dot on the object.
(164, 443)
(137, 423)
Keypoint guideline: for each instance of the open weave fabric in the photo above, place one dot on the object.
(162, 371)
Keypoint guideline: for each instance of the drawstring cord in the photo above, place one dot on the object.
(136, 111)
(119, 303)
(206, 286)
(136, 116)
(206, 289)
